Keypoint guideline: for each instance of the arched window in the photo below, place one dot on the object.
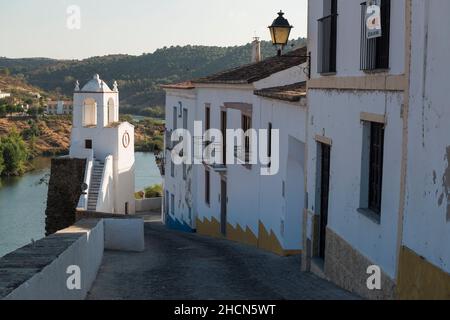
(89, 113)
(111, 112)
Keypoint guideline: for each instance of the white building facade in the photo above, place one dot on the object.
(236, 201)
(365, 156)
(108, 146)
(372, 201)
(59, 108)
(4, 95)
(424, 252)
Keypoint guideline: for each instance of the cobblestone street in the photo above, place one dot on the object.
(188, 266)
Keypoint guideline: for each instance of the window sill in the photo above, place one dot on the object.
(377, 71)
(374, 217)
(328, 74)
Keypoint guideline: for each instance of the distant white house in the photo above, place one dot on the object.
(108, 146)
(4, 95)
(59, 107)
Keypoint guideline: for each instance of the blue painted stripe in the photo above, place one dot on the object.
(174, 224)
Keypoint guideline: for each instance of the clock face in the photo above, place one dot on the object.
(126, 140)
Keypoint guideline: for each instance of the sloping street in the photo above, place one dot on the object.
(178, 265)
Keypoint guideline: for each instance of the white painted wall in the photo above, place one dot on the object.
(285, 77)
(146, 205)
(242, 183)
(124, 235)
(50, 283)
(349, 36)
(184, 190)
(336, 115)
(105, 200)
(283, 214)
(89, 156)
(124, 170)
(251, 198)
(426, 226)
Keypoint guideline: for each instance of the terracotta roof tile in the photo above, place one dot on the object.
(188, 85)
(256, 71)
(293, 92)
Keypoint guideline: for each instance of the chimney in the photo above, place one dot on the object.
(256, 50)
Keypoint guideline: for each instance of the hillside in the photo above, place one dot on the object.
(20, 88)
(50, 136)
(139, 77)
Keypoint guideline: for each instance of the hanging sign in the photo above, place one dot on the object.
(373, 19)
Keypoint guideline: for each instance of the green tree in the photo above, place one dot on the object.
(5, 71)
(2, 111)
(10, 109)
(2, 163)
(14, 152)
(35, 111)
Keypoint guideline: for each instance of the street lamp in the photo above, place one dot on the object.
(280, 31)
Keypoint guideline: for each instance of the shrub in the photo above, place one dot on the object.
(139, 195)
(2, 111)
(14, 152)
(32, 131)
(155, 191)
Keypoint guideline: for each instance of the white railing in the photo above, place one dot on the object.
(83, 202)
(105, 200)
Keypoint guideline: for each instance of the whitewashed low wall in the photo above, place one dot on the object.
(85, 250)
(146, 205)
(39, 271)
(124, 234)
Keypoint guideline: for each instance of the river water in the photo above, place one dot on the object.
(23, 201)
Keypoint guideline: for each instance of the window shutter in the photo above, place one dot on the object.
(327, 34)
(383, 42)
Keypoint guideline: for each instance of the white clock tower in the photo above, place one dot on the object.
(108, 146)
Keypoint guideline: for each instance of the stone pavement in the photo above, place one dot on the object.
(178, 265)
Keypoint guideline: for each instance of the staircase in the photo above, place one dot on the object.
(94, 186)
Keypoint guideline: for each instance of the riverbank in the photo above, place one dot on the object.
(23, 200)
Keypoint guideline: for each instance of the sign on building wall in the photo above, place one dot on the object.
(373, 19)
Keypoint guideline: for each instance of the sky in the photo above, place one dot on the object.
(49, 28)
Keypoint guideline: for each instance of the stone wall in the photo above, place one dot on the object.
(347, 268)
(64, 191)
